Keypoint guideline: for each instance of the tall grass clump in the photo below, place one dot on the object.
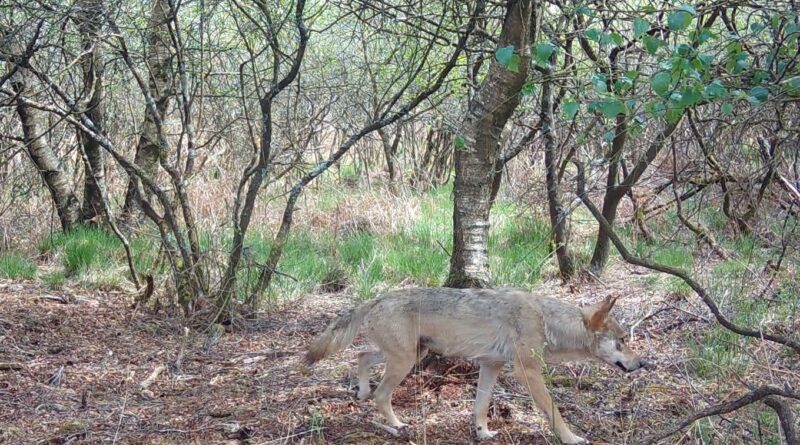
(519, 247)
(84, 249)
(16, 266)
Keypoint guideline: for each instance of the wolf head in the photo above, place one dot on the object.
(608, 337)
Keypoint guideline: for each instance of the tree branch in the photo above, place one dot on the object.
(674, 271)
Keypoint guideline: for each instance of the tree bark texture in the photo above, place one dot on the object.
(616, 190)
(558, 214)
(390, 150)
(90, 21)
(477, 148)
(160, 83)
(34, 131)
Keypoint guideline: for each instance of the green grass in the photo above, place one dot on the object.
(717, 354)
(518, 249)
(145, 249)
(83, 249)
(16, 266)
(54, 280)
(414, 255)
(367, 262)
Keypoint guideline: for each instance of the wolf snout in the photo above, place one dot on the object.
(630, 367)
(646, 364)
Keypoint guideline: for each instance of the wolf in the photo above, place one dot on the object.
(489, 326)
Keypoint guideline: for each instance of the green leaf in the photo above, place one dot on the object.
(459, 143)
(622, 84)
(608, 136)
(649, 9)
(652, 44)
(791, 86)
(727, 109)
(691, 95)
(776, 21)
(760, 76)
(505, 55)
(660, 83)
(599, 82)
(674, 114)
(592, 34)
(654, 109)
(706, 60)
(640, 27)
(605, 38)
(584, 10)
(758, 95)
(756, 27)
(679, 20)
(528, 89)
(715, 90)
(609, 107)
(617, 39)
(738, 63)
(542, 53)
(705, 36)
(570, 109)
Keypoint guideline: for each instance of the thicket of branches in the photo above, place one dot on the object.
(135, 114)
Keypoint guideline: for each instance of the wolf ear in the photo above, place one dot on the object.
(595, 318)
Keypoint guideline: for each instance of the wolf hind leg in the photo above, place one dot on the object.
(529, 373)
(486, 380)
(366, 360)
(397, 367)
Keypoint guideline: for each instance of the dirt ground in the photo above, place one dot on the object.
(72, 365)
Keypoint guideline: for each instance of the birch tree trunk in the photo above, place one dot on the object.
(477, 146)
(160, 83)
(34, 133)
(90, 21)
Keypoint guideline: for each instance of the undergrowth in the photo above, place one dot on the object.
(16, 266)
(364, 254)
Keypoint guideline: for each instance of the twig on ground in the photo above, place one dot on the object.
(393, 431)
(145, 384)
(11, 366)
(724, 408)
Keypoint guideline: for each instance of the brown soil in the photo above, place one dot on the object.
(71, 365)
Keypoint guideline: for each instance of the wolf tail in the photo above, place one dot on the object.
(338, 335)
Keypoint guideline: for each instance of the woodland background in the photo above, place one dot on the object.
(191, 189)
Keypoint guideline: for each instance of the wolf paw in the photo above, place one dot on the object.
(484, 434)
(363, 395)
(574, 439)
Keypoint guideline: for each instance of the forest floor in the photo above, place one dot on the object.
(73, 363)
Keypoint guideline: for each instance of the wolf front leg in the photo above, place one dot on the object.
(486, 380)
(529, 373)
(396, 369)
